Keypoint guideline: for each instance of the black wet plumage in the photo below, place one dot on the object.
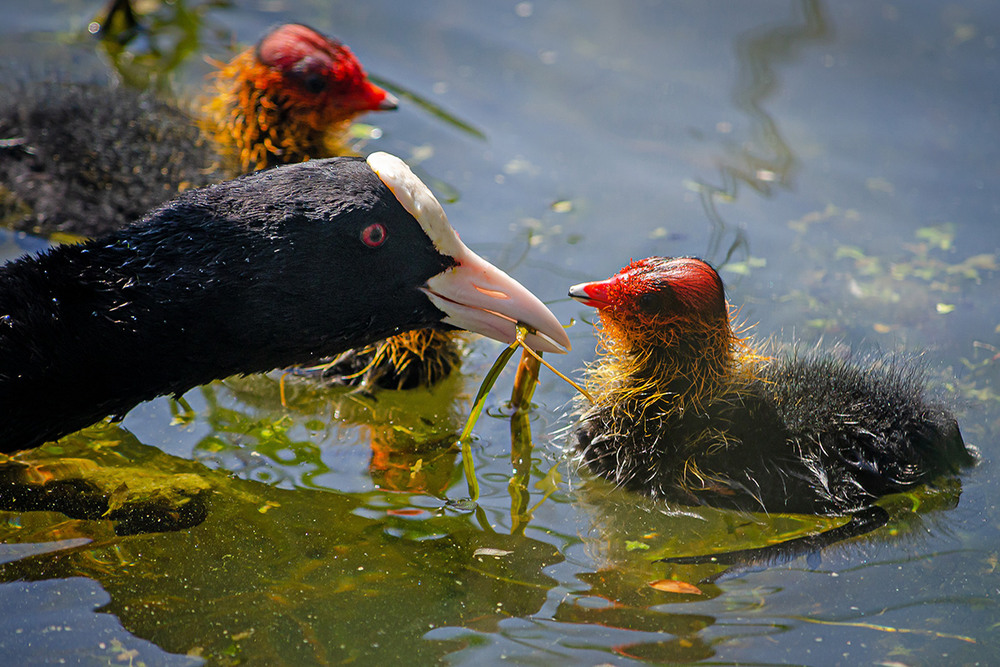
(814, 434)
(258, 273)
(90, 158)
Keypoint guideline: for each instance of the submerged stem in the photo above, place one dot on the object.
(477, 409)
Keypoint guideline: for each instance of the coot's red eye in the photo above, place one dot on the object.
(374, 235)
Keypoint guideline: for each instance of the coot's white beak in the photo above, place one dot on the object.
(477, 296)
(473, 294)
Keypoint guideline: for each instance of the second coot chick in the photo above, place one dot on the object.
(688, 411)
(86, 159)
(290, 98)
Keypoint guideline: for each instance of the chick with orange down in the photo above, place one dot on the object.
(88, 159)
(288, 99)
(689, 409)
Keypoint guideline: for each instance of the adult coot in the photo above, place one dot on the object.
(281, 267)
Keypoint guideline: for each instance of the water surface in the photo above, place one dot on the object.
(838, 161)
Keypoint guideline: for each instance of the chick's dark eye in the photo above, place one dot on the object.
(374, 235)
(310, 75)
(649, 302)
(314, 83)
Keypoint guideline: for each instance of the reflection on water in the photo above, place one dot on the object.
(305, 576)
(763, 160)
(66, 628)
(326, 536)
(633, 541)
(281, 429)
(145, 50)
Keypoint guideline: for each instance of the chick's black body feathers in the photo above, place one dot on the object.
(810, 434)
(88, 158)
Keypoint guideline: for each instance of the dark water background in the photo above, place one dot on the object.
(840, 162)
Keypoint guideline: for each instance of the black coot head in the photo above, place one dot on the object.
(352, 250)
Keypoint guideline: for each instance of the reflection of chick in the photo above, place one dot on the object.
(411, 434)
(688, 411)
(88, 159)
(401, 462)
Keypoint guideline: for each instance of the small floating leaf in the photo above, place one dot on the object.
(850, 252)
(821, 323)
(744, 268)
(406, 511)
(496, 553)
(464, 505)
(939, 236)
(880, 185)
(971, 267)
(267, 506)
(635, 545)
(945, 308)
(672, 586)
(364, 131)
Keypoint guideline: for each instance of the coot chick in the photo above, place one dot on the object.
(281, 267)
(689, 411)
(86, 159)
(289, 99)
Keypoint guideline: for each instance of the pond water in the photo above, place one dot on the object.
(839, 161)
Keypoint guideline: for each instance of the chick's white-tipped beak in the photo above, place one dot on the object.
(474, 295)
(479, 297)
